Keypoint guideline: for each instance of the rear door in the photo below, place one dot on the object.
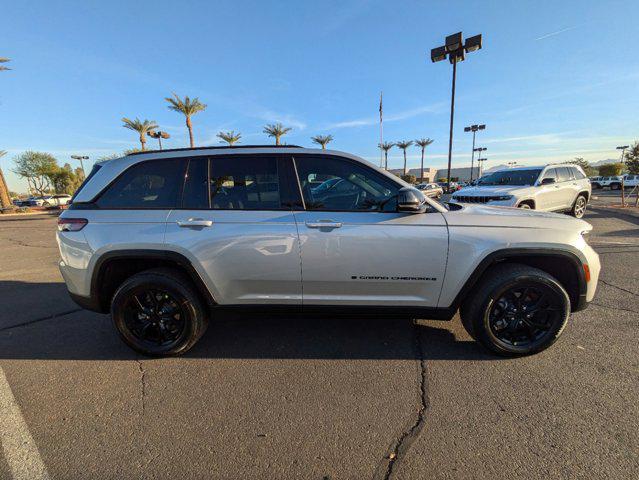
(236, 225)
(550, 195)
(356, 249)
(567, 186)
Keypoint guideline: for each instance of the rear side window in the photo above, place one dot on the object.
(244, 183)
(153, 184)
(563, 174)
(577, 174)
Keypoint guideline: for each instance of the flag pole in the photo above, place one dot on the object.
(381, 131)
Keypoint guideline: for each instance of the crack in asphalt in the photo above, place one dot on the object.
(50, 317)
(24, 244)
(142, 385)
(614, 308)
(406, 439)
(618, 287)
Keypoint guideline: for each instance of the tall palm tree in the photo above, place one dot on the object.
(322, 140)
(276, 130)
(404, 144)
(386, 146)
(4, 60)
(187, 107)
(230, 137)
(423, 143)
(142, 127)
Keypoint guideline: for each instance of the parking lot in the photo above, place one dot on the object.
(319, 399)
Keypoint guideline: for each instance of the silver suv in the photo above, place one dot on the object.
(167, 241)
(553, 188)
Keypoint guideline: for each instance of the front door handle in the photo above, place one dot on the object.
(324, 224)
(194, 222)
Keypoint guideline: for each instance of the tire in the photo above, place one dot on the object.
(596, 186)
(158, 313)
(525, 206)
(615, 186)
(484, 310)
(579, 207)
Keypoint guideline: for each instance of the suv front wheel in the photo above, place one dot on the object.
(158, 313)
(517, 310)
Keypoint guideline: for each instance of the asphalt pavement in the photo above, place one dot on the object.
(314, 399)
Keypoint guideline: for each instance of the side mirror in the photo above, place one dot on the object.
(547, 181)
(411, 200)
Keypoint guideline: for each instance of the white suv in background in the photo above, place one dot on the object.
(551, 188)
(167, 240)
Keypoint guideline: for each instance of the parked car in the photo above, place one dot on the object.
(432, 190)
(631, 180)
(166, 241)
(551, 188)
(34, 202)
(59, 199)
(446, 189)
(614, 182)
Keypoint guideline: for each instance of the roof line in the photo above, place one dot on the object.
(223, 147)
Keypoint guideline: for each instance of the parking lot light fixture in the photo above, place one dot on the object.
(474, 129)
(159, 135)
(81, 158)
(623, 151)
(481, 161)
(455, 49)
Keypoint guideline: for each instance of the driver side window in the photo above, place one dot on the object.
(333, 184)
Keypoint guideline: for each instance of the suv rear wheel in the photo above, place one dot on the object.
(157, 312)
(579, 207)
(517, 310)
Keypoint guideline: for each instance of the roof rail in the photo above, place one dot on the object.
(221, 147)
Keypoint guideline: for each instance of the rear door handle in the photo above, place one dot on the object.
(194, 222)
(324, 224)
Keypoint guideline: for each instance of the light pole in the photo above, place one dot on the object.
(623, 151)
(473, 128)
(159, 135)
(478, 149)
(481, 164)
(81, 157)
(455, 49)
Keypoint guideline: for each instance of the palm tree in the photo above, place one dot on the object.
(404, 144)
(230, 137)
(276, 130)
(322, 140)
(423, 143)
(386, 146)
(5, 201)
(142, 127)
(187, 107)
(4, 60)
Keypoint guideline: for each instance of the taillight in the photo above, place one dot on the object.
(71, 224)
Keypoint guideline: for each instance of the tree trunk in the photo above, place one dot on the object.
(189, 125)
(421, 179)
(385, 159)
(5, 201)
(142, 141)
(277, 139)
(404, 161)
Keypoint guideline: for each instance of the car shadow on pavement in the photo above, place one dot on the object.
(83, 335)
(618, 214)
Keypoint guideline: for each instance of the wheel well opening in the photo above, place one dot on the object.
(528, 202)
(585, 194)
(113, 272)
(562, 268)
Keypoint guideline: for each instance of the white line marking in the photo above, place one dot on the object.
(20, 451)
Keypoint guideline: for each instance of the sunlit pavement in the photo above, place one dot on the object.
(264, 398)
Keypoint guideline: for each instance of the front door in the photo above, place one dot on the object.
(356, 249)
(236, 226)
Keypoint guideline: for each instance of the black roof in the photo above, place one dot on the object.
(220, 147)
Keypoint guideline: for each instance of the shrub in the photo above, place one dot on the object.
(610, 169)
(409, 178)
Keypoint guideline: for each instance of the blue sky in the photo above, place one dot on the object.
(555, 79)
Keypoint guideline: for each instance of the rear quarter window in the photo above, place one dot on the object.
(154, 184)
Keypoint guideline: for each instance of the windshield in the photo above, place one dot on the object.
(511, 177)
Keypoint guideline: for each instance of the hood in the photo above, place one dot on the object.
(487, 216)
(480, 191)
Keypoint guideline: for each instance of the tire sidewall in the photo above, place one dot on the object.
(574, 207)
(188, 303)
(481, 327)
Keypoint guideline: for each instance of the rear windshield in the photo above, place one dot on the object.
(511, 177)
(93, 171)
